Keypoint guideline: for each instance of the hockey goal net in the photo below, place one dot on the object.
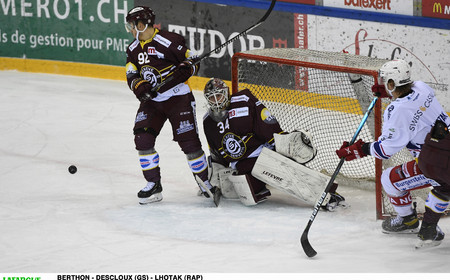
(326, 93)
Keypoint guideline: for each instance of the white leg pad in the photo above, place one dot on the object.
(242, 189)
(291, 177)
(219, 175)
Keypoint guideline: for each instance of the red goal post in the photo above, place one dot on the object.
(326, 93)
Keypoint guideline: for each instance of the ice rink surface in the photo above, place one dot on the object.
(90, 222)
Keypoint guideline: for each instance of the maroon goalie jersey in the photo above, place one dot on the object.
(248, 127)
(155, 60)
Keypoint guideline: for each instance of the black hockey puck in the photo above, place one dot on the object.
(72, 169)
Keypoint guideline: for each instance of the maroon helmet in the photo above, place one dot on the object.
(140, 13)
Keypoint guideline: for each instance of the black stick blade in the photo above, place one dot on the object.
(307, 248)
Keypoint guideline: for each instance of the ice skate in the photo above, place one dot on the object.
(151, 193)
(399, 224)
(336, 202)
(430, 235)
(262, 195)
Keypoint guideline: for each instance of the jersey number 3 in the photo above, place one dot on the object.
(222, 126)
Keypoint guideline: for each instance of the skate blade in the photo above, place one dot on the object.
(422, 244)
(407, 231)
(154, 198)
(335, 208)
(264, 199)
(343, 205)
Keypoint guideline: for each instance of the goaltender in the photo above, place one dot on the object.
(242, 135)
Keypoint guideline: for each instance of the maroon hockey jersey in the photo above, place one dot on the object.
(248, 126)
(155, 60)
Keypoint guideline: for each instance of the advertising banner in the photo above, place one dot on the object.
(436, 8)
(310, 2)
(93, 32)
(206, 26)
(428, 56)
(401, 7)
(67, 30)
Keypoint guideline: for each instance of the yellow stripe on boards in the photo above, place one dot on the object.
(305, 99)
(81, 69)
(63, 68)
(321, 101)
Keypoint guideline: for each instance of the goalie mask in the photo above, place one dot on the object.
(217, 95)
(397, 71)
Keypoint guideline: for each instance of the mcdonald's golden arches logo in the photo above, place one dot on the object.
(437, 8)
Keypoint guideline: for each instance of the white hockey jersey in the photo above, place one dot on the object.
(407, 121)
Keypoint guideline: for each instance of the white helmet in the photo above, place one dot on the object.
(217, 95)
(397, 71)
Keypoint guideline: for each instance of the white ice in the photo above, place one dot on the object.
(52, 221)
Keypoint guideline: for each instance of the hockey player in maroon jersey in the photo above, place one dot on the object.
(239, 130)
(154, 56)
(236, 131)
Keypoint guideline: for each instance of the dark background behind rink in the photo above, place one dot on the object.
(200, 23)
(88, 38)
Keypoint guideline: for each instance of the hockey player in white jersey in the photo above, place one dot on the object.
(409, 118)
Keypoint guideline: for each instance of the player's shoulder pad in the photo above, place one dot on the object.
(133, 45)
(166, 38)
(242, 96)
(423, 87)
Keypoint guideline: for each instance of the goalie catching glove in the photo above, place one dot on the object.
(296, 145)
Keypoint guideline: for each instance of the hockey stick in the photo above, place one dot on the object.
(214, 196)
(309, 250)
(243, 33)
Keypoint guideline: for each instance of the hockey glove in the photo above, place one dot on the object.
(380, 91)
(143, 90)
(185, 70)
(351, 152)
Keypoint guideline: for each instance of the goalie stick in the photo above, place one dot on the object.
(309, 250)
(214, 196)
(243, 33)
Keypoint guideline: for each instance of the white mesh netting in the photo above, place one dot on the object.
(325, 93)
